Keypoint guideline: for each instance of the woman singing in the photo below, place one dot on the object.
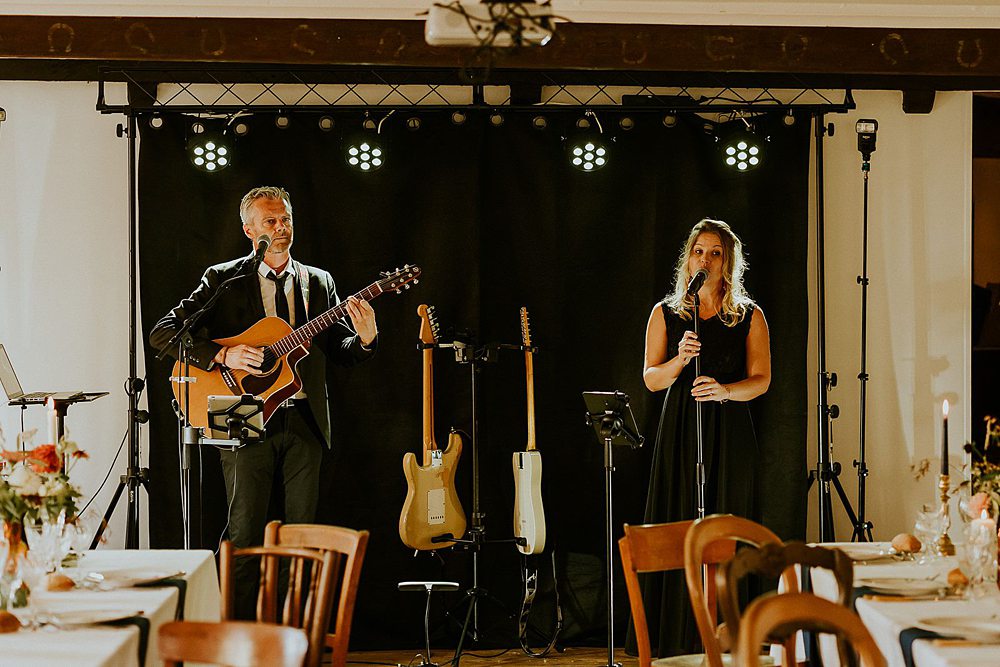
(735, 367)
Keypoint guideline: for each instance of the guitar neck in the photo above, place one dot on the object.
(321, 323)
(529, 369)
(429, 444)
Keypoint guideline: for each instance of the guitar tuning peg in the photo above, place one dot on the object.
(416, 281)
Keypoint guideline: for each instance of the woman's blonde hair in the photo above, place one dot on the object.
(735, 301)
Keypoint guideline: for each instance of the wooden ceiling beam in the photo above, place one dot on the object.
(75, 45)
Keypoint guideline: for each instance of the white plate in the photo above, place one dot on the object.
(89, 616)
(967, 627)
(127, 578)
(902, 585)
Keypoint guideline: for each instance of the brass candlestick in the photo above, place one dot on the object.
(944, 545)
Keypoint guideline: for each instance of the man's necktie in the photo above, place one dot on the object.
(280, 300)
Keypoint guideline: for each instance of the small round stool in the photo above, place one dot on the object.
(428, 586)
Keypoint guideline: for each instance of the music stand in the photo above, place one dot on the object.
(605, 412)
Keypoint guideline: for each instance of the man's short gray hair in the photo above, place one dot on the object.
(263, 192)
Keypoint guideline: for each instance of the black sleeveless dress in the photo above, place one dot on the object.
(730, 455)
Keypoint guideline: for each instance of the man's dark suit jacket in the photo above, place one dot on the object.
(241, 306)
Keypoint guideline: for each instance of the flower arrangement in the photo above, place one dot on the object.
(36, 485)
(985, 484)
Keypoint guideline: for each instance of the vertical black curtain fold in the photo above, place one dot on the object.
(497, 219)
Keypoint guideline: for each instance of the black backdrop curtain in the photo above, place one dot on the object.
(497, 219)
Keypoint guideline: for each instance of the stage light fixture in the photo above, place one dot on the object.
(788, 119)
(539, 122)
(326, 123)
(670, 120)
(458, 117)
(496, 119)
(241, 128)
(741, 148)
(413, 123)
(282, 121)
(364, 151)
(208, 148)
(587, 148)
(626, 123)
(156, 122)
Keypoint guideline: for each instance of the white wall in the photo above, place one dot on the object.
(920, 231)
(64, 291)
(64, 269)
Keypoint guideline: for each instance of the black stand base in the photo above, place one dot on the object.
(131, 480)
(828, 474)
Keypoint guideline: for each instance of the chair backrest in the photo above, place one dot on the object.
(783, 615)
(348, 548)
(235, 643)
(657, 548)
(703, 536)
(303, 577)
(773, 560)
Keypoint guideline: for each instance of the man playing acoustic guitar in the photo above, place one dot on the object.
(297, 431)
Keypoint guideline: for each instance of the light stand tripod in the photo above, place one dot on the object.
(866, 129)
(826, 472)
(605, 412)
(135, 475)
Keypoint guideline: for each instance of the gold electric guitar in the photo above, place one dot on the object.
(529, 516)
(283, 347)
(432, 516)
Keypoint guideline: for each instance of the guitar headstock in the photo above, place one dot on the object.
(525, 327)
(400, 279)
(430, 330)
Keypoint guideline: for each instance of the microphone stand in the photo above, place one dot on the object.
(699, 436)
(187, 435)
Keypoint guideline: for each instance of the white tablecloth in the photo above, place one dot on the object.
(886, 619)
(103, 646)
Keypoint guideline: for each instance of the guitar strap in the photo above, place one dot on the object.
(303, 276)
(529, 577)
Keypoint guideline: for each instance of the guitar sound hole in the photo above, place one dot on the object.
(269, 360)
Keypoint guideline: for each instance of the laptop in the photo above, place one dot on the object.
(15, 395)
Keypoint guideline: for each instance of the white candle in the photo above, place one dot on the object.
(984, 524)
(53, 422)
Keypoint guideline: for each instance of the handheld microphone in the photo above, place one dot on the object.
(697, 280)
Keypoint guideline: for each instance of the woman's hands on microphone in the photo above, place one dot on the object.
(689, 347)
(708, 389)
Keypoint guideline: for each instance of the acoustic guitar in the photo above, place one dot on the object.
(283, 347)
(432, 516)
(529, 516)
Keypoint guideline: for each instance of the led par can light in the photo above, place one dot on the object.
(209, 152)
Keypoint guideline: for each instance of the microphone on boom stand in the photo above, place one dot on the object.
(697, 280)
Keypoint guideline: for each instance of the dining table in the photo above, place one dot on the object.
(112, 615)
(915, 618)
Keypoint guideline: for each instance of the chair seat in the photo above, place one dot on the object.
(698, 660)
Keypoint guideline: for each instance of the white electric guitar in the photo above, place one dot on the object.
(529, 516)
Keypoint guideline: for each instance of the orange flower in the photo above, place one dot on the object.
(45, 459)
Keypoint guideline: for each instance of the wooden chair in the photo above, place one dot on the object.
(699, 545)
(234, 643)
(659, 548)
(783, 615)
(773, 560)
(308, 593)
(348, 548)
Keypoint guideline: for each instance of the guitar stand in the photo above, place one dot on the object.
(467, 353)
